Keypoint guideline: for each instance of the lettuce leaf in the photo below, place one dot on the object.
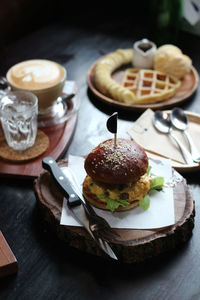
(148, 170)
(101, 196)
(157, 183)
(145, 202)
(113, 204)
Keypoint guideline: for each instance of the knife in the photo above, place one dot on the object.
(82, 211)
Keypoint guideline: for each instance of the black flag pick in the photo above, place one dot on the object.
(112, 126)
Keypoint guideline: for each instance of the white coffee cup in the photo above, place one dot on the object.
(42, 77)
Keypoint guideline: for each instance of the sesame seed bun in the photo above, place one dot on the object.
(122, 164)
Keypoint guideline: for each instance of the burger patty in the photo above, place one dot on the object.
(129, 192)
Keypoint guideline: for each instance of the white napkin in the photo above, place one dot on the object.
(159, 214)
(145, 134)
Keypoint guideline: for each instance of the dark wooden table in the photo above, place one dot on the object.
(48, 269)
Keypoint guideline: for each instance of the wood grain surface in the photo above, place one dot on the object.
(48, 268)
(8, 262)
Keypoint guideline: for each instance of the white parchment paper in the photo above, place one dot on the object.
(159, 214)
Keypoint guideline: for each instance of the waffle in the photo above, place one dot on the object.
(149, 86)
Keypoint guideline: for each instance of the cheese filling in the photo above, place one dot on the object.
(130, 192)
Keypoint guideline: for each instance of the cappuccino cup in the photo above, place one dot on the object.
(42, 77)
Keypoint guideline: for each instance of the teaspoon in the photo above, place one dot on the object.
(180, 121)
(163, 124)
(64, 99)
(3, 83)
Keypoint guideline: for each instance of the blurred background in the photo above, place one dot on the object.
(160, 20)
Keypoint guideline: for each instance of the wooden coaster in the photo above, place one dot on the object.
(40, 146)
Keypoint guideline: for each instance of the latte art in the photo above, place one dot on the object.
(42, 77)
(36, 74)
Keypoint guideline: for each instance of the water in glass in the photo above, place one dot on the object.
(19, 119)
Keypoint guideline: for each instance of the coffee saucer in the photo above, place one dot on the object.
(61, 111)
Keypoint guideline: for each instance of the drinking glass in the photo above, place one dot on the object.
(18, 113)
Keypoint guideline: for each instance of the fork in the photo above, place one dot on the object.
(98, 225)
(98, 228)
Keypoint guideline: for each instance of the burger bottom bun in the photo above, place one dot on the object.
(92, 199)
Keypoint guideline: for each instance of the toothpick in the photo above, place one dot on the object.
(115, 140)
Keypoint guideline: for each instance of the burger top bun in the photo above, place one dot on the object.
(122, 164)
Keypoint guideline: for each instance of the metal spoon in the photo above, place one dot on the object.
(3, 83)
(64, 99)
(163, 124)
(180, 121)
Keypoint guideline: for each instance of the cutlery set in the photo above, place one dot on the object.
(165, 122)
(97, 227)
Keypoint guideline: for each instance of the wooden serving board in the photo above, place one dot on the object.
(133, 245)
(59, 130)
(8, 262)
(59, 139)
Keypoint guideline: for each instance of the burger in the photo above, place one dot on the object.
(117, 178)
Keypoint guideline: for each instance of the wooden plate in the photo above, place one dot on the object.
(132, 245)
(194, 119)
(188, 86)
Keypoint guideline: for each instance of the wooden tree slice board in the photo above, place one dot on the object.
(188, 86)
(132, 245)
(8, 262)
